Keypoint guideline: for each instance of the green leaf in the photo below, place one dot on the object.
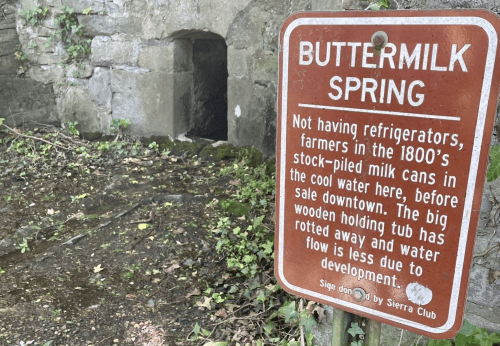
(87, 10)
(289, 311)
(494, 168)
(357, 343)
(355, 329)
(196, 329)
(262, 296)
(2, 271)
(309, 339)
(467, 328)
(307, 321)
(143, 226)
(1, 121)
(269, 327)
(374, 6)
(439, 343)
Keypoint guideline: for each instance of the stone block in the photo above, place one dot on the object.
(252, 115)
(8, 41)
(8, 17)
(156, 103)
(79, 70)
(46, 73)
(166, 98)
(265, 66)
(326, 5)
(24, 99)
(239, 63)
(106, 25)
(100, 87)
(8, 35)
(115, 50)
(158, 57)
(183, 55)
(8, 65)
(480, 291)
(168, 56)
(80, 5)
(76, 105)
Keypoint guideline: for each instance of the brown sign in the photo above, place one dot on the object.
(384, 126)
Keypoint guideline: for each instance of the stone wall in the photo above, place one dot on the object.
(21, 99)
(142, 66)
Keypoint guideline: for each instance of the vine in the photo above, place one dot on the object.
(70, 32)
(35, 15)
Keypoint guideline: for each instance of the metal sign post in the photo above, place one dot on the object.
(384, 125)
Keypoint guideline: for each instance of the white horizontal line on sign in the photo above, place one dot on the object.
(402, 114)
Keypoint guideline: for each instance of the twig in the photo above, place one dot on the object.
(241, 318)
(302, 340)
(151, 215)
(488, 251)
(127, 211)
(59, 132)
(35, 138)
(401, 337)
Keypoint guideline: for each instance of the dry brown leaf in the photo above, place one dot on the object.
(195, 292)
(493, 275)
(98, 268)
(221, 313)
(234, 182)
(231, 307)
(178, 230)
(205, 303)
(170, 269)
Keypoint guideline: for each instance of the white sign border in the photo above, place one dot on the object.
(483, 106)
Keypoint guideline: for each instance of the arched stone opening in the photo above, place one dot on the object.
(208, 105)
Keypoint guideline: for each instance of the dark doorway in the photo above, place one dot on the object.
(209, 107)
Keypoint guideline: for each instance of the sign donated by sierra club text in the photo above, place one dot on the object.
(382, 152)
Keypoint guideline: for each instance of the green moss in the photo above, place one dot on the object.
(234, 207)
(251, 156)
(221, 152)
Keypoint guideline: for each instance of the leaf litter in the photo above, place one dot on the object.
(153, 253)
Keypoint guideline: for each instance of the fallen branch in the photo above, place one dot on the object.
(35, 138)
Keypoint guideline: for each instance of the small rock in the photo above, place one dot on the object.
(188, 262)
(150, 304)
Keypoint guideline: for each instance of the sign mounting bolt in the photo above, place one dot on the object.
(379, 39)
(359, 294)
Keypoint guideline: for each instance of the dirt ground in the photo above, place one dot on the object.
(125, 242)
